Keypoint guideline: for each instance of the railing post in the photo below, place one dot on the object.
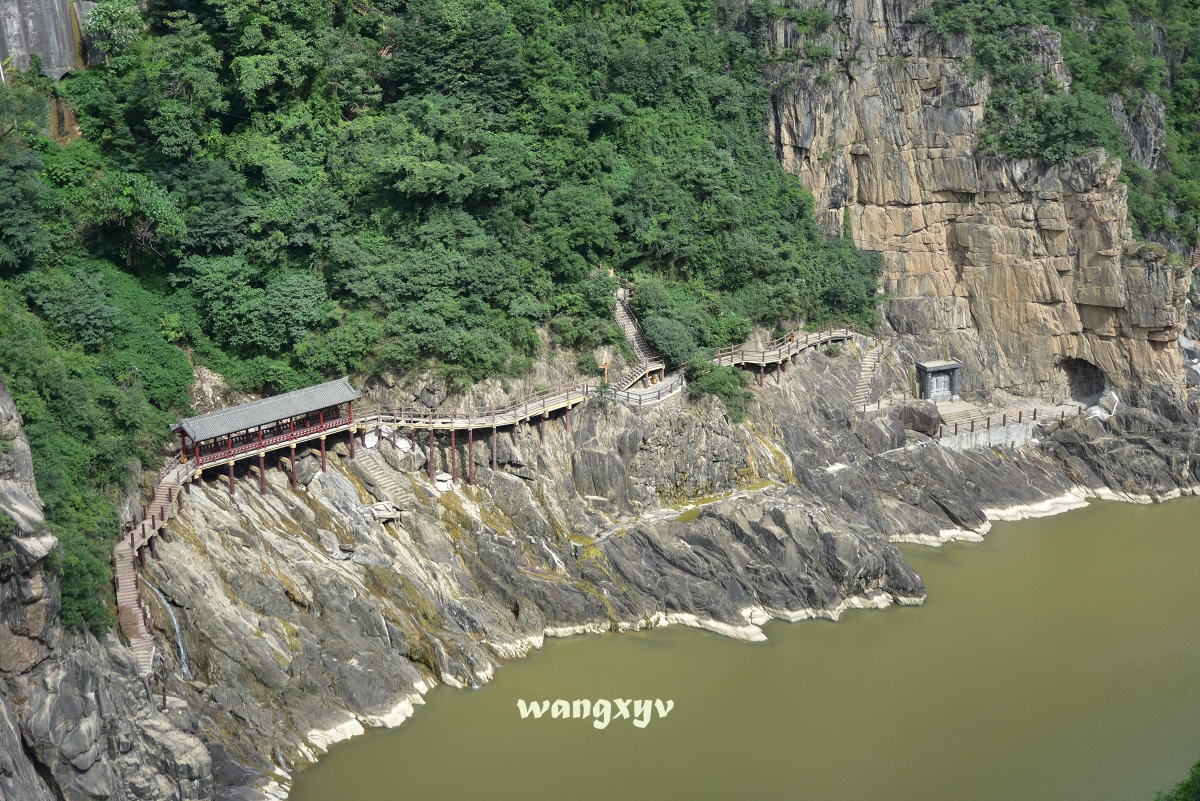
(1035, 414)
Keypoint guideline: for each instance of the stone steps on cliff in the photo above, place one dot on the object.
(866, 374)
(385, 479)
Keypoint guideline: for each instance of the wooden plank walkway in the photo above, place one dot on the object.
(166, 497)
(783, 349)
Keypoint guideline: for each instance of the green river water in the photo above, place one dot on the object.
(1057, 660)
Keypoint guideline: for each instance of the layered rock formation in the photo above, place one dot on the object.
(76, 721)
(1025, 271)
(307, 615)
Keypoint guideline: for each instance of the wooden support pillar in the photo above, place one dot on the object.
(231, 479)
(262, 473)
(494, 448)
(154, 547)
(542, 429)
(141, 552)
(568, 419)
(470, 457)
(761, 370)
(453, 456)
(353, 436)
(293, 450)
(323, 468)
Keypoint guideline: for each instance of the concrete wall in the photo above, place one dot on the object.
(1013, 435)
(44, 27)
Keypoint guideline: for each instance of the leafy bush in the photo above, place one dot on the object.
(729, 384)
(1186, 790)
(588, 365)
(671, 338)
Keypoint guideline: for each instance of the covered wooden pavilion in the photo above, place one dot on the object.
(251, 429)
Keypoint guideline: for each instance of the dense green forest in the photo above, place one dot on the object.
(295, 189)
(291, 190)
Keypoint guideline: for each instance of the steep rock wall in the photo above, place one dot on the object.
(307, 615)
(1023, 270)
(76, 721)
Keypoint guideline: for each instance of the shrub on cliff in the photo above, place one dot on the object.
(729, 384)
(1186, 790)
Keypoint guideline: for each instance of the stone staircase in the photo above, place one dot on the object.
(866, 373)
(647, 359)
(384, 477)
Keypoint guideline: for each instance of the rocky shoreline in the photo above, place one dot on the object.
(306, 620)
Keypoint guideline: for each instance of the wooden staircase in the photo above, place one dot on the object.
(131, 611)
(647, 360)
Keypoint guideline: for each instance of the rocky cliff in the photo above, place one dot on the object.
(76, 721)
(297, 618)
(1025, 271)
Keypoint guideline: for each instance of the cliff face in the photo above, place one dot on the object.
(292, 619)
(1025, 271)
(75, 719)
(306, 615)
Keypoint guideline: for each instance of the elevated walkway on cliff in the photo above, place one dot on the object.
(312, 415)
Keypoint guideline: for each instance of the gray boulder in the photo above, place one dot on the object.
(921, 416)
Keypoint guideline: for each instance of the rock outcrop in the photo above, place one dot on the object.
(306, 615)
(1025, 271)
(76, 721)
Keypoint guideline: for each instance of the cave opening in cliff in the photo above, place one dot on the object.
(1085, 381)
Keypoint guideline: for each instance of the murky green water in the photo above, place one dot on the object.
(1060, 659)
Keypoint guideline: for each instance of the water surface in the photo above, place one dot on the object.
(1057, 661)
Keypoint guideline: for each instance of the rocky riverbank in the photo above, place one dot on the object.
(309, 614)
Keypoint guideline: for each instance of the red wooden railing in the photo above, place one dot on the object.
(1004, 419)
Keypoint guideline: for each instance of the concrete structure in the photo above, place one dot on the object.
(939, 380)
(50, 29)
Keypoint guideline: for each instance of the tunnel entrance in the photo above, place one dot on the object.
(1085, 381)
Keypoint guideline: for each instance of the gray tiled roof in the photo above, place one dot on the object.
(268, 410)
